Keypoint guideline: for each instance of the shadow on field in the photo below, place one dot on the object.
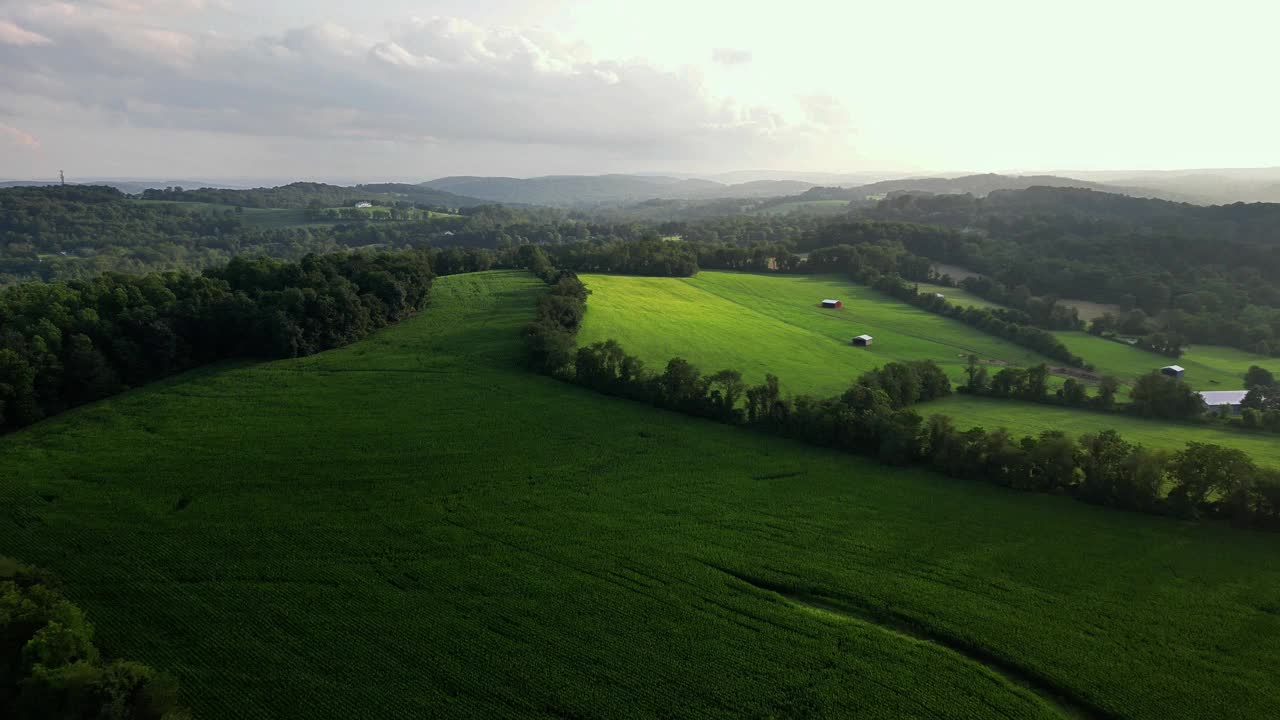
(885, 619)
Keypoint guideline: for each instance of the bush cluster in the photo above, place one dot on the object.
(50, 667)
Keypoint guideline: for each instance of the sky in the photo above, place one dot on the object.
(416, 89)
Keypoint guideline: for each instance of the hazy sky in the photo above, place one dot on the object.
(419, 89)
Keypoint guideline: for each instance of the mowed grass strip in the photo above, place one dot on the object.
(415, 526)
(1023, 418)
(957, 296)
(760, 324)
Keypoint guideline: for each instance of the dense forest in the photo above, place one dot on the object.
(63, 344)
(1204, 274)
(317, 195)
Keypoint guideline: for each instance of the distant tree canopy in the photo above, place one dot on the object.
(1199, 274)
(1180, 274)
(315, 195)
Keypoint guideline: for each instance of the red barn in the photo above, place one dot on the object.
(832, 304)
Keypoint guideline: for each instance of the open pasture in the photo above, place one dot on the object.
(1209, 367)
(957, 296)
(762, 324)
(1031, 419)
(415, 526)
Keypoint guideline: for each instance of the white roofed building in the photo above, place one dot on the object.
(1231, 399)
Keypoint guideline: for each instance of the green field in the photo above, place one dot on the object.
(956, 296)
(1032, 419)
(761, 323)
(770, 323)
(1209, 367)
(415, 526)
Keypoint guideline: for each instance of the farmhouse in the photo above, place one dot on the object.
(863, 341)
(940, 296)
(364, 204)
(1230, 399)
(1174, 371)
(832, 304)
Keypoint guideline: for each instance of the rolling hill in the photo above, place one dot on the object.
(415, 526)
(590, 190)
(760, 324)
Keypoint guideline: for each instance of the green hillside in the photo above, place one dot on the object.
(762, 323)
(759, 324)
(254, 218)
(415, 526)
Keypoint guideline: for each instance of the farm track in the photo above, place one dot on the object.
(902, 627)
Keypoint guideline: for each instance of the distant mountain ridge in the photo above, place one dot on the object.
(987, 183)
(597, 190)
(586, 191)
(1257, 223)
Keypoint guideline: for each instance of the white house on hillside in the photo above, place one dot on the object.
(364, 204)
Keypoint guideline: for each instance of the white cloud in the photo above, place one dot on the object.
(430, 80)
(19, 137)
(13, 34)
(730, 56)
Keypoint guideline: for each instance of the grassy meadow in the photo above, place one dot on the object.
(957, 296)
(762, 324)
(771, 323)
(1209, 367)
(416, 526)
(1031, 419)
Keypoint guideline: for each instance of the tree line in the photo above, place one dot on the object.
(50, 667)
(315, 196)
(873, 417)
(1045, 313)
(1203, 273)
(64, 344)
(991, 322)
(1154, 395)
